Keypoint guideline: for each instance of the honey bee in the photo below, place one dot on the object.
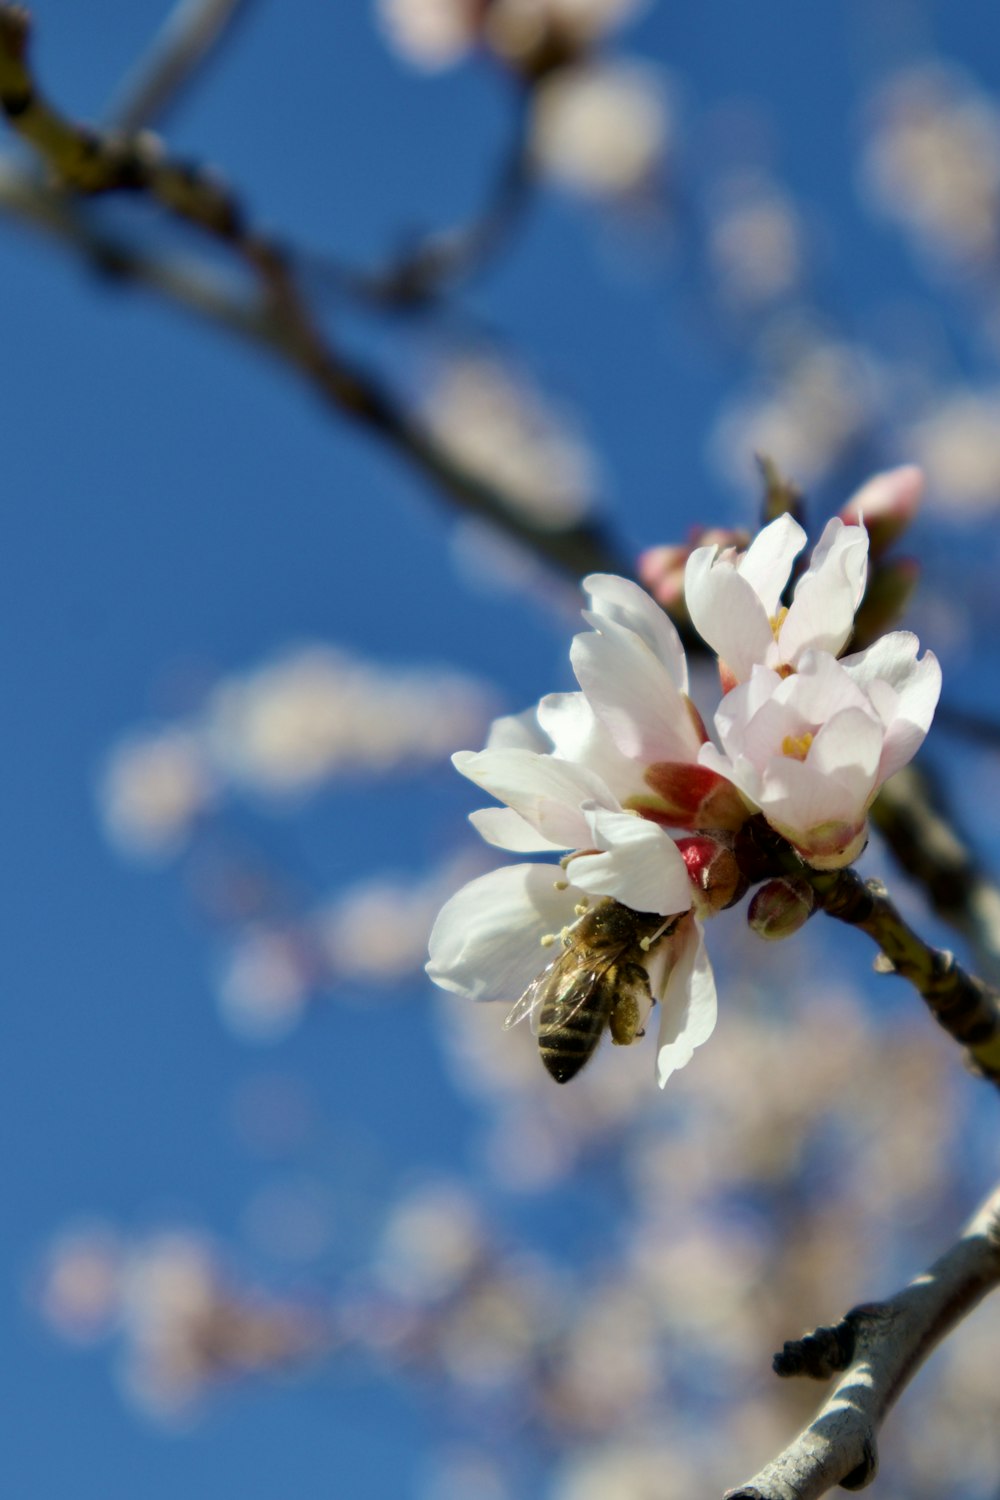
(598, 980)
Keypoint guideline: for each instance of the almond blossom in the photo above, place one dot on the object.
(735, 605)
(810, 749)
(496, 934)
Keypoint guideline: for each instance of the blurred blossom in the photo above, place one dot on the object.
(644, 1467)
(527, 34)
(317, 712)
(609, 1364)
(755, 242)
(187, 1329)
(431, 33)
(602, 129)
(372, 933)
(77, 1285)
(185, 1326)
(821, 404)
(432, 1242)
(957, 442)
(152, 789)
(265, 982)
(497, 425)
(932, 162)
(376, 931)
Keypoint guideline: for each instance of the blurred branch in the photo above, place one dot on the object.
(88, 162)
(420, 275)
(879, 1347)
(910, 814)
(189, 37)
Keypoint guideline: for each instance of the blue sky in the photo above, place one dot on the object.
(177, 508)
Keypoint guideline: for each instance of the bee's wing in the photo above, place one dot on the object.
(568, 983)
(533, 998)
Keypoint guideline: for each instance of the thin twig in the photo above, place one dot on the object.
(879, 1347)
(186, 41)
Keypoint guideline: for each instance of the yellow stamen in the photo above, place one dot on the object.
(548, 938)
(561, 885)
(797, 748)
(778, 620)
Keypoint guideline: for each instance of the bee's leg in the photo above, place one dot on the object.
(631, 1003)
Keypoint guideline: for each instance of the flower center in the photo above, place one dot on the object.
(796, 747)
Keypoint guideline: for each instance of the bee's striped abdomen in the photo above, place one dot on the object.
(569, 1030)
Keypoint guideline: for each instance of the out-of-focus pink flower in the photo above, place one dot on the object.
(885, 505)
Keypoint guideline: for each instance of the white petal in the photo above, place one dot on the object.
(578, 735)
(640, 865)
(690, 1004)
(505, 829)
(625, 603)
(726, 612)
(768, 561)
(821, 616)
(634, 696)
(544, 790)
(486, 942)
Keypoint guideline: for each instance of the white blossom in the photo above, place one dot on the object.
(811, 749)
(735, 604)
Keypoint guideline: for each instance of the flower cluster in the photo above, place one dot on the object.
(623, 784)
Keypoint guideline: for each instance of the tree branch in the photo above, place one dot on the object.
(88, 162)
(186, 41)
(879, 1347)
(912, 817)
(966, 1007)
(84, 162)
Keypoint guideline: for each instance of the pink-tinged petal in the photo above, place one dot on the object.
(637, 863)
(579, 736)
(691, 796)
(726, 612)
(846, 750)
(624, 603)
(517, 732)
(740, 704)
(914, 709)
(903, 690)
(768, 561)
(689, 1003)
(486, 942)
(821, 616)
(505, 829)
(820, 688)
(544, 790)
(633, 695)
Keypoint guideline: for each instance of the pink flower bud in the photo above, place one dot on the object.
(780, 907)
(885, 506)
(661, 573)
(714, 871)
